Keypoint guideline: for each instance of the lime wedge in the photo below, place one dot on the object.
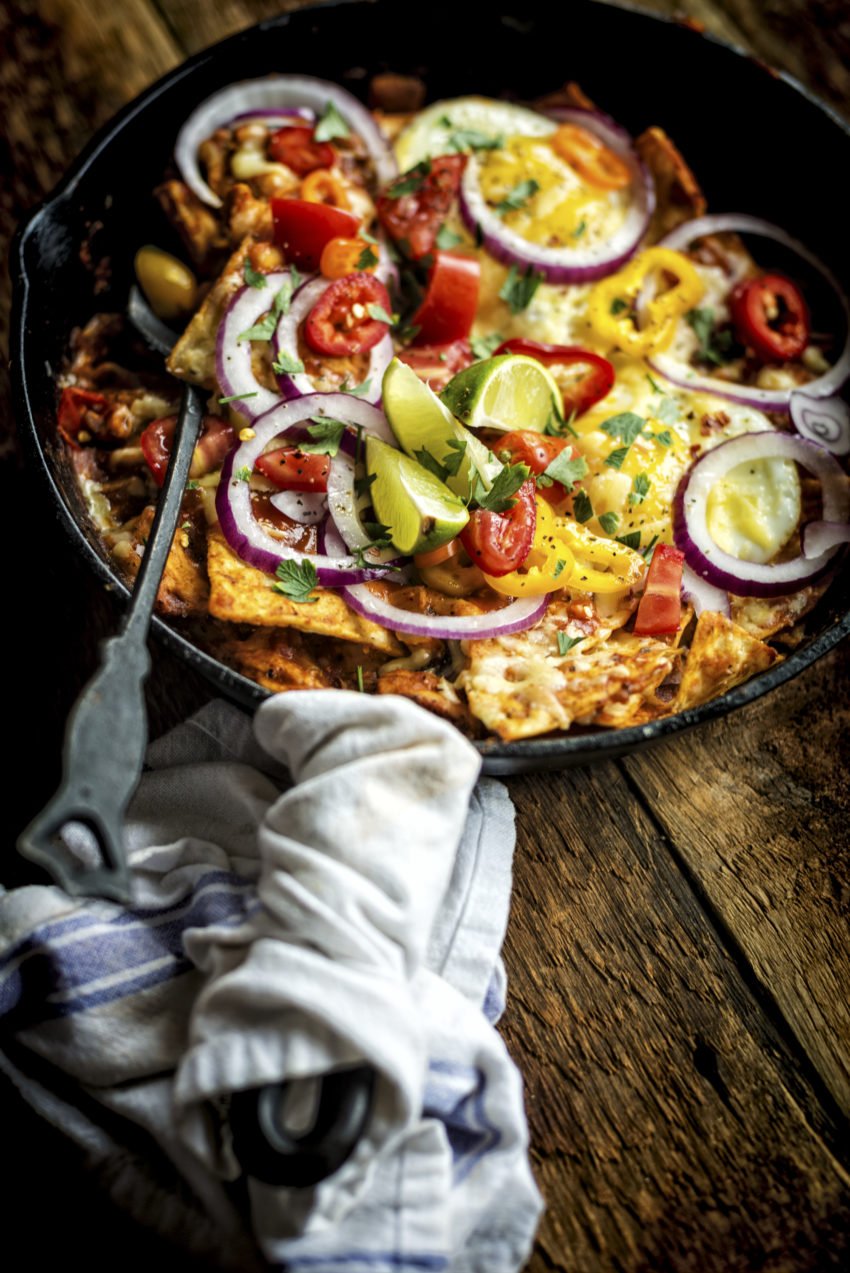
(420, 422)
(508, 392)
(420, 511)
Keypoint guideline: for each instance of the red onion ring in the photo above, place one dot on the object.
(690, 525)
(241, 529)
(778, 400)
(233, 368)
(275, 92)
(566, 264)
(819, 537)
(308, 508)
(294, 115)
(342, 503)
(822, 420)
(702, 594)
(295, 384)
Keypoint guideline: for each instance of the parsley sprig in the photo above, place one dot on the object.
(331, 125)
(264, 329)
(519, 287)
(296, 580)
(518, 197)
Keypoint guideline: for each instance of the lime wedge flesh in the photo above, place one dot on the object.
(507, 392)
(420, 510)
(421, 422)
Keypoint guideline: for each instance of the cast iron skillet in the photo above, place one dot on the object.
(743, 128)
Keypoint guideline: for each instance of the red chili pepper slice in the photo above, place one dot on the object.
(500, 542)
(296, 147)
(303, 228)
(660, 609)
(448, 309)
(581, 389)
(771, 317)
(78, 409)
(413, 219)
(340, 321)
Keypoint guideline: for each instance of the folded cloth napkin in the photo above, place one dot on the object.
(328, 889)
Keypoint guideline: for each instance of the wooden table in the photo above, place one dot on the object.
(678, 948)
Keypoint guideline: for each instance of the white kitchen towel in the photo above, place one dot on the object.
(327, 890)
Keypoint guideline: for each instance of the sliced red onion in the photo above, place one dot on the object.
(822, 420)
(778, 400)
(342, 503)
(819, 537)
(702, 594)
(566, 264)
(234, 371)
(241, 529)
(275, 92)
(308, 508)
(276, 118)
(690, 524)
(294, 385)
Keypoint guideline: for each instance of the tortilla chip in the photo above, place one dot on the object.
(571, 95)
(184, 589)
(679, 195)
(242, 594)
(195, 223)
(432, 692)
(722, 655)
(762, 617)
(520, 685)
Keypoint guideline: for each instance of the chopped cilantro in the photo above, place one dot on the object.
(379, 313)
(484, 346)
(237, 397)
(464, 139)
(264, 329)
(559, 567)
(367, 259)
(665, 437)
(543, 481)
(715, 347)
(519, 287)
(582, 507)
(646, 552)
(186, 526)
(556, 426)
(431, 463)
(405, 332)
(362, 484)
(618, 305)
(287, 365)
(632, 540)
(326, 434)
(654, 383)
(518, 197)
(253, 277)
(410, 181)
(640, 489)
(453, 458)
(447, 238)
(566, 643)
(580, 229)
(360, 679)
(243, 474)
(507, 482)
(331, 125)
(192, 484)
(667, 411)
(296, 581)
(357, 391)
(615, 459)
(609, 522)
(626, 426)
(566, 470)
(378, 533)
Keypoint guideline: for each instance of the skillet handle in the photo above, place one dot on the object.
(269, 1152)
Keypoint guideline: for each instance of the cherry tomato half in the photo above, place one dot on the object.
(342, 256)
(524, 446)
(292, 470)
(436, 364)
(297, 148)
(80, 409)
(216, 439)
(583, 378)
(771, 317)
(591, 158)
(303, 229)
(500, 542)
(340, 322)
(413, 219)
(660, 609)
(448, 309)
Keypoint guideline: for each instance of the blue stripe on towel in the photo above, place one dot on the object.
(454, 1094)
(390, 1259)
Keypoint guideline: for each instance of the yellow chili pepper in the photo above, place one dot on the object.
(548, 565)
(611, 305)
(621, 567)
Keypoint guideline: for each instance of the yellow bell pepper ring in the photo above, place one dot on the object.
(547, 567)
(601, 565)
(612, 305)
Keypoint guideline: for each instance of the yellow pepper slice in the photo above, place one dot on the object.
(547, 567)
(611, 304)
(621, 567)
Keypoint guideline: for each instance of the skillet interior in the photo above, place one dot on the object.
(737, 123)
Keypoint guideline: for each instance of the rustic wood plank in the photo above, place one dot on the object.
(764, 835)
(672, 1128)
(197, 25)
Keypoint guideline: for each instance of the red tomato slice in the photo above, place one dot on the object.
(451, 298)
(296, 148)
(583, 378)
(78, 409)
(524, 446)
(303, 229)
(436, 364)
(660, 609)
(292, 470)
(217, 438)
(500, 542)
(340, 322)
(771, 317)
(413, 218)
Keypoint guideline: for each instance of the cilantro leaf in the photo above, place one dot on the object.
(264, 329)
(519, 287)
(331, 125)
(453, 459)
(582, 507)
(609, 522)
(243, 474)
(253, 277)
(379, 313)
(640, 489)
(447, 238)
(566, 643)
(356, 391)
(556, 426)
(507, 482)
(237, 397)
(654, 383)
(432, 464)
(566, 470)
(193, 484)
(715, 347)
(632, 540)
(518, 197)
(296, 580)
(618, 305)
(464, 139)
(615, 459)
(409, 182)
(664, 437)
(326, 434)
(559, 567)
(367, 259)
(287, 365)
(362, 484)
(626, 426)
(483, 346)
(647, 552)
(580, 229)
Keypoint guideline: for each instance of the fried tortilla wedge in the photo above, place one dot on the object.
(242, 594)
(679, 195)
(722, 655)
(432, 692)
(183, 589)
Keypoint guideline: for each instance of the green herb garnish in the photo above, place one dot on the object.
(410, 181)
(356, 391)
(499, 498)
(447, 238)
(518, 197)
(609, 522)
(296, 580)
(264, 329)
(326, 434)
(519, 287)
(286, 365)
(640, 489)
(331, 125)
(618, 305)
(483, 346)
(243, 474)
(237, 397)
(379, 313)
(615, 459)
(582, 507)
(715, 347)
(367, 259)
(664, 437)
(580, 229)
(466, 139)
(632, 540)
(566, 470)
(253, 277)
(626, 426)
(360, 679)
(566, 643)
